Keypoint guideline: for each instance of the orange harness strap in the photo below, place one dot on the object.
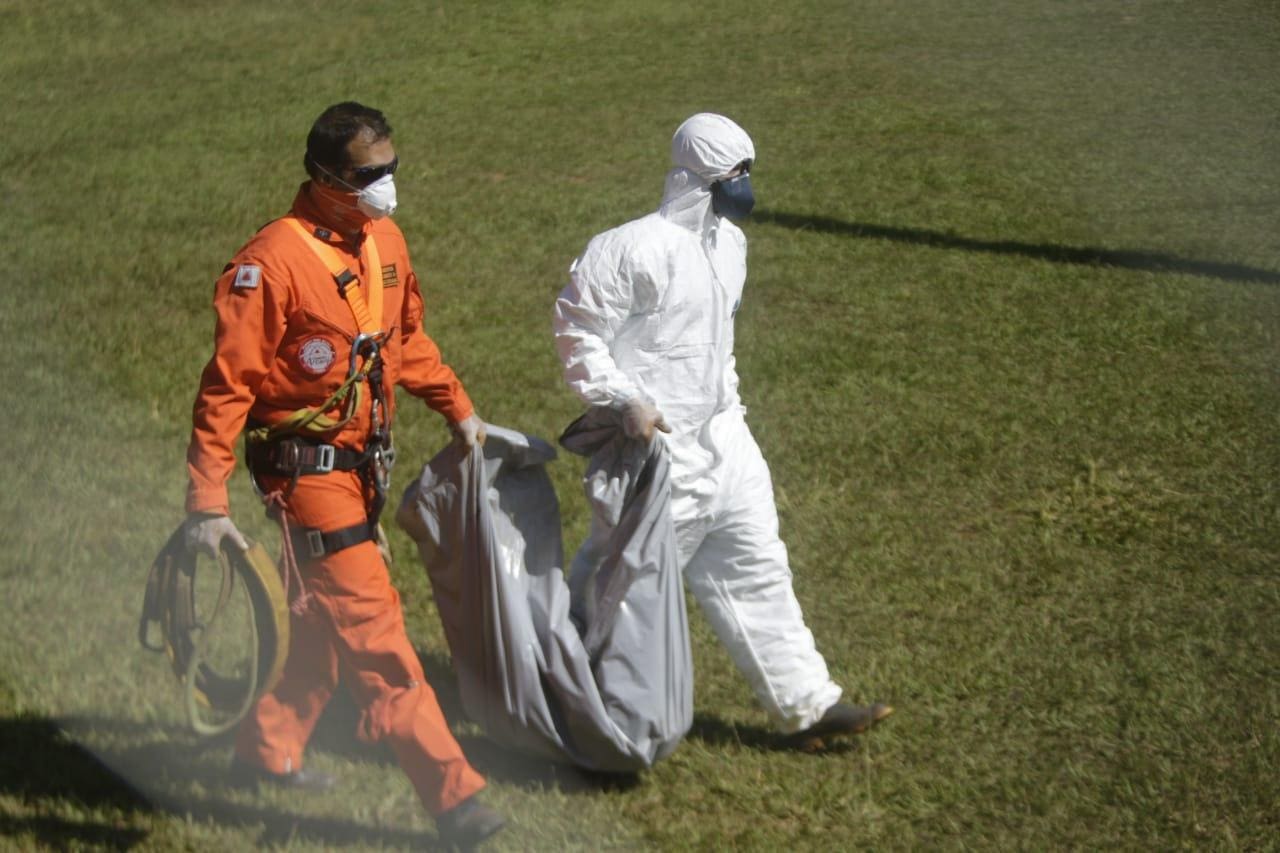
(368, 315)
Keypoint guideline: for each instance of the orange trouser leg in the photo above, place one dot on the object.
(276, 732)
(357, 609)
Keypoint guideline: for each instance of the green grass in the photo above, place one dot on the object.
(1032, 501)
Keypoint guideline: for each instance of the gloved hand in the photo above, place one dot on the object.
(205, 533)
(640, 418)
(469, 432)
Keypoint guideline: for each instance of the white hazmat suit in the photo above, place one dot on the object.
(648, 314)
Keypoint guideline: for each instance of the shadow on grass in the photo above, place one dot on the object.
(1087, 256)
(499, 763)
(42, 764)
(717, 732)
(47, 771)
(59, 834)
(140, 771)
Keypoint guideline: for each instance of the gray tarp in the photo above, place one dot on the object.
(613, 693)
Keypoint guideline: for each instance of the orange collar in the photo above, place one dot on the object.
(309, 208)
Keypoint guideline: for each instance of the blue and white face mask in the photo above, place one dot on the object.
(732, 197)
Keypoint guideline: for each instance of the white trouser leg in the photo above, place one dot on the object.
(740, 577)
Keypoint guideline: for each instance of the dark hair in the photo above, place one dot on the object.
(335, 128)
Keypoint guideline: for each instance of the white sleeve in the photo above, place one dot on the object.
(588, 314)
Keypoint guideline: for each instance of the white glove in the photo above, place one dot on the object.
(469, 432)
(640, 418)
(206, 532)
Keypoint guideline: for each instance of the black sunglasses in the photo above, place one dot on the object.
(366, 175)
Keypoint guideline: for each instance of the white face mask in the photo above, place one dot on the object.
(379, 198)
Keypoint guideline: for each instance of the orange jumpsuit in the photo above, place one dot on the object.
(283, 342)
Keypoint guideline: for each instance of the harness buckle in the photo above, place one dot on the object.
(293, 455)
(325, 455)
(344, 279)
(315, 542)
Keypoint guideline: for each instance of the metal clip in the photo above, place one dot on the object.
(382, 469)
(373, 342)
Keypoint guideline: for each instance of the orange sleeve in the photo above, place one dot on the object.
(251, 309)
(422, 372)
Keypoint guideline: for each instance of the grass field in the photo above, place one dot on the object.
(1011, 343)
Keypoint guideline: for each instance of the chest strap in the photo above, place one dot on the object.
(368, 315)
(349, 394)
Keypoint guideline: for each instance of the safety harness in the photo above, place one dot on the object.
(215, 701)
(293, 447)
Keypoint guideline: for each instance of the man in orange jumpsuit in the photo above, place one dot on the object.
(319, 317)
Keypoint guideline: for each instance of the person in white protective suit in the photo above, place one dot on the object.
(645, 325)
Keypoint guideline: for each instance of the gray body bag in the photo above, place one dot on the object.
(608, 687)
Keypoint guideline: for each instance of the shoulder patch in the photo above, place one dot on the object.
(248, 276)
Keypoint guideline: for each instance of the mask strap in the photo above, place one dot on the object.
(335, 177)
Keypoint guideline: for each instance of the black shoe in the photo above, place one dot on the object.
(246, 775)
(839, 720)
(468, 823)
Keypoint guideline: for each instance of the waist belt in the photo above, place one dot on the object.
(311, 543)
(295, 456)
(289, 456)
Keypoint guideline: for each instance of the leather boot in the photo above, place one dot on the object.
(467, 824)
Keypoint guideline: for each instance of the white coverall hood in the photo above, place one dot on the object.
(705, 148)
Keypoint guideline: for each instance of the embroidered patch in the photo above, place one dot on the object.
(247, 277)
(389, 276)
(316, 355)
